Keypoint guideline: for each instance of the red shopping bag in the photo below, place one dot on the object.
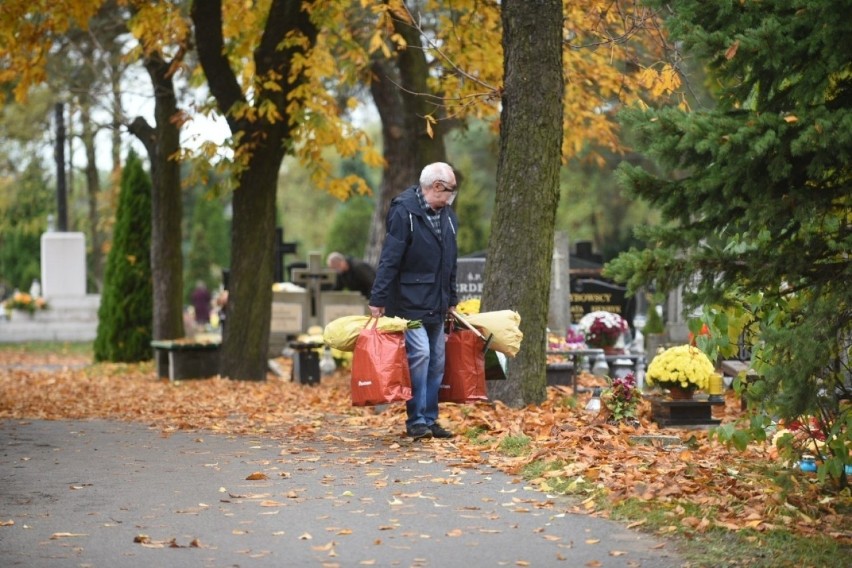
(464, 370)
(379, 367)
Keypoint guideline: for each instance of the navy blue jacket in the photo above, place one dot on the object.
(416, 277)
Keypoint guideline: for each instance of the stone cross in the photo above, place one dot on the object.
(281, 248)
(312, 278)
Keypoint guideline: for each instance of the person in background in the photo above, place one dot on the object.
(200, 299)
(221, 304)
(416, 280)
(352, 274)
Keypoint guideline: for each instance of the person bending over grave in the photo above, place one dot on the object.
(352, 274)
(416, 280)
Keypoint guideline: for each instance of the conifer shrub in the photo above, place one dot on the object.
(125, 316)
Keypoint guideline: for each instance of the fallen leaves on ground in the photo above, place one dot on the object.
(58, 535)
(721, 487)
(148, 542)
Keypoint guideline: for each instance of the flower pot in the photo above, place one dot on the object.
(677, 392)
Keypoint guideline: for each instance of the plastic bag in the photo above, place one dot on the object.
(380, 371)
(464, 370)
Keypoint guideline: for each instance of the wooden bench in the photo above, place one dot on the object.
(180, 359)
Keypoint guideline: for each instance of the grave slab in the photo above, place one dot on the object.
(696, 412)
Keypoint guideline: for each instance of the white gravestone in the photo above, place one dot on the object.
(63, 264)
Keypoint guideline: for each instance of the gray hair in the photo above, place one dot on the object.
(436, 171)
(334, 258)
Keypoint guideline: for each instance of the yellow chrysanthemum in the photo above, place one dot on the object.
(469, 307)
(684, 364)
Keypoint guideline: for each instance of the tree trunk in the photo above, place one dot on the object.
(407, 145)
(246, 341)
(418, 100)
(59, 157)
(115, 90)
(93, 188)
(522, 226)
(161, 143)
(399, 153)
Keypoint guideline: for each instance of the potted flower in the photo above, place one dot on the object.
(602, 329)
(682, 370)
(23, 302)
(621, 398)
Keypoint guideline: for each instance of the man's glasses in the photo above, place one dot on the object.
(447, 187)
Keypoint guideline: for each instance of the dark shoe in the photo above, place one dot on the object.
(438, 432)
(419, 431)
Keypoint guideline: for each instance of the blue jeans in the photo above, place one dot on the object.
(426, 348)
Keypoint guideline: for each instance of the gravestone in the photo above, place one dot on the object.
(313, 278)
(63, 264)
(470, 276)
(676, 321)
(558, 315)
(72, 315)
(678, 313)
(591, 295)
(337, 304)
(291, 311)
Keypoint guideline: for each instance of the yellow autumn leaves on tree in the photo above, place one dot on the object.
(612, 57)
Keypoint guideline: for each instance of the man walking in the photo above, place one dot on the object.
(416, 280)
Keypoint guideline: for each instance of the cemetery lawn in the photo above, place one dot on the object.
(716, 506)
(62, 348)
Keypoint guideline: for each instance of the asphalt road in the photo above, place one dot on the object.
(109, 494)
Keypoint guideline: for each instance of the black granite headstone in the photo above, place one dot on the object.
(470, 275)
(593, 295)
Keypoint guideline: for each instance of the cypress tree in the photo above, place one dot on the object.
(126, 310)
(758, 203)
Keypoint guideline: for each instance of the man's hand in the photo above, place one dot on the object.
(377, 312)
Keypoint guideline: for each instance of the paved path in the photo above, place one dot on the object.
(108, 494)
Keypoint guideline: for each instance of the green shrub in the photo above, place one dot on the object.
(126, 312)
